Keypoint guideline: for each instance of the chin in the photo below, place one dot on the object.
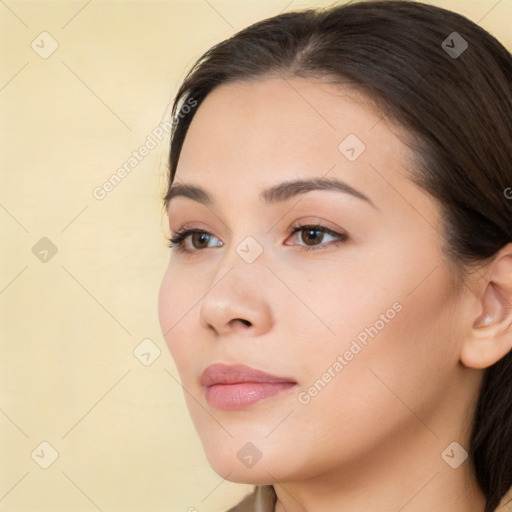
(259, 474)
(251, 477)
(246, 462)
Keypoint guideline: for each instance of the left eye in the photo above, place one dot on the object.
(311, 236)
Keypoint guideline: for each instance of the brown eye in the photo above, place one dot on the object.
(312, 236)
(190, 240)
(200, 240)
(315, 237)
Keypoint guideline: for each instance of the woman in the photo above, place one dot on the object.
(338, 297)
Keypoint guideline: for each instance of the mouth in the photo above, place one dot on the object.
(229, 387)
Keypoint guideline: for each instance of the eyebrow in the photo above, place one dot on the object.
(275, 194)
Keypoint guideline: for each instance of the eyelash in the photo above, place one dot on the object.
(340, 237)
(177, 241)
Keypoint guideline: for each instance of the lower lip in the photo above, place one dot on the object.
(244, 394)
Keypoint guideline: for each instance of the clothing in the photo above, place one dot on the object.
(263, 499)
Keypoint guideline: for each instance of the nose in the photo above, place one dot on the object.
(237, 303)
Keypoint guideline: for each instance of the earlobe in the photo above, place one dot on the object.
(490, 337)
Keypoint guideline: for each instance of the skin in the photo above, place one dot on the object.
(372, 438)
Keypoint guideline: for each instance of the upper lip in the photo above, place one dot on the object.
(220, 373)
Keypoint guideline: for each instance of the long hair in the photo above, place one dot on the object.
(448, 83)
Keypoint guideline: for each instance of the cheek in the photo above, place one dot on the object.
(397, 319)
(336, 306)
(176, 301)
(388, 345)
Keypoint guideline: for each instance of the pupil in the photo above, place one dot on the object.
(312, 236)
(200, 240)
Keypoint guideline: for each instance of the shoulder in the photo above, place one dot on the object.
(262, 499)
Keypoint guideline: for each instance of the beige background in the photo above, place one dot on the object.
(70, 323)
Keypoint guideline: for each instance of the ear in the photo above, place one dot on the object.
(490, 337)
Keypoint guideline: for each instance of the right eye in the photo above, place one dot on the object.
(190, 240)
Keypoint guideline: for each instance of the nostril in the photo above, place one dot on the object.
(242, 320)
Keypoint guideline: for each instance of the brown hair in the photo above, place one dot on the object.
(456, 103)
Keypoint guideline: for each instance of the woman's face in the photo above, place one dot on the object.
(315, 260)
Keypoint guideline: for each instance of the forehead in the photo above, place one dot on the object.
(246, 136)
(297, 116)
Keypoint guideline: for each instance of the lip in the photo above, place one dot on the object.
(238, 386)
